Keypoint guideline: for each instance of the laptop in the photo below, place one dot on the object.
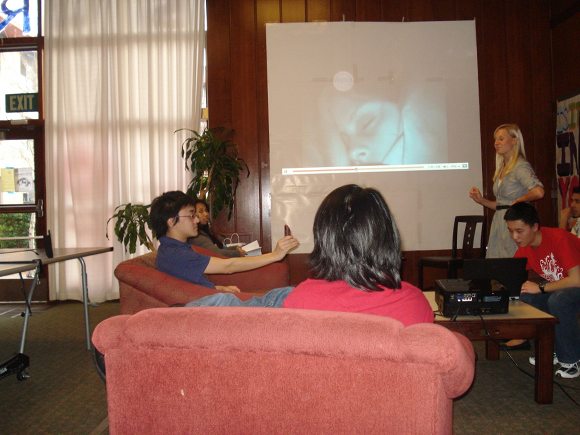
(494, 273)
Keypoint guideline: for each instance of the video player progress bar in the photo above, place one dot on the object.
(376, 168)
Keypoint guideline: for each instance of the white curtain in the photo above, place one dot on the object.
(120, 77)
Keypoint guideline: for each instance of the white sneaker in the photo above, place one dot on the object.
(569, 371)
(554, 361)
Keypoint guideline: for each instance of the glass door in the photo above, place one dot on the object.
(22, 175)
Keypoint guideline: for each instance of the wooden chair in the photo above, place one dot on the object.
(455, 261)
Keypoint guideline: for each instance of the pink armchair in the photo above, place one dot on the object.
(265, 370)
(142, 286)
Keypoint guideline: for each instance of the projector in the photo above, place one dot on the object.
(459, 297)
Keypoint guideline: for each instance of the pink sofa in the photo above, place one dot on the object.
(142, 286)
(269, 371)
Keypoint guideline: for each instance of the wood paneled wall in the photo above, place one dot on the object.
(515, 83)
(565, 22)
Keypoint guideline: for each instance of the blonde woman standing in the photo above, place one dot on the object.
(514, 181)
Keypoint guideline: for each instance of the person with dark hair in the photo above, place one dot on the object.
(355, 263)
(514, 181)
(165, 207)
(174, 221)
(553, 262)
(205, 236)
(570, 216)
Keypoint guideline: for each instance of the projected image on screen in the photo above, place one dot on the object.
(374, 122)
(373, 103)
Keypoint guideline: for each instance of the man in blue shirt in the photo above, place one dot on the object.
(173, 221)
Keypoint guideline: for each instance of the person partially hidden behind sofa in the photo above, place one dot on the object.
(174, 221)
(205, 236)
(355, 264)
(553, 262)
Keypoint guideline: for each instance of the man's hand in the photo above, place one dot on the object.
(285, 245)
(241, 251)
(227, 288)
(565, 215)
(531, 287)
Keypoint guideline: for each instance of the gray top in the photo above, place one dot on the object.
(204, 241)
(518, 182)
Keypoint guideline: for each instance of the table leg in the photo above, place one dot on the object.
(27, 312)
(85, 301)
(491, 349)
(544, 349)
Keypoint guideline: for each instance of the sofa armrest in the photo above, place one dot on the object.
(450, 351)
(161, 286)
(109, 335)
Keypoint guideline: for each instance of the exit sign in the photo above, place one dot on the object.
(21, 103)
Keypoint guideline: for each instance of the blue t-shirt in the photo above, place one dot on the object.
(179, 260)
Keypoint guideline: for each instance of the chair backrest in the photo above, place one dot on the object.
(471, 223)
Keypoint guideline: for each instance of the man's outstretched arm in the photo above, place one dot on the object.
(241, 264)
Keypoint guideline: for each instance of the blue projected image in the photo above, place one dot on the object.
(377, 123)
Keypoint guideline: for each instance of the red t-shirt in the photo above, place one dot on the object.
(558, 252)
(407, 304)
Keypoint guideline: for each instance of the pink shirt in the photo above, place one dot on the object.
(407, 304)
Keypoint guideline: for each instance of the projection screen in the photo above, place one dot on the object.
(393, 106)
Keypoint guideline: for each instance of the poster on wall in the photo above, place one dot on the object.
(567, 164)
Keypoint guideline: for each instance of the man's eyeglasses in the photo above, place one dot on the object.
(191, 216)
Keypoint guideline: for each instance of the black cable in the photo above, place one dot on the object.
(454, 317)
(562, 387)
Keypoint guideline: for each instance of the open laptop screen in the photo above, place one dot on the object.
(508, 272)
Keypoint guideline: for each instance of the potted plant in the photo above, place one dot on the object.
(215, 165)
(131, 224)
(214, 162)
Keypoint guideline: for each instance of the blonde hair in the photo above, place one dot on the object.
(518, 151)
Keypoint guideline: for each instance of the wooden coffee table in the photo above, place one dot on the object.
(521, 321)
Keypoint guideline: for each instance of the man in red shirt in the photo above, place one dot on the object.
(553, 256)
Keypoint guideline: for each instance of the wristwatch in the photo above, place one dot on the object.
(542, 286)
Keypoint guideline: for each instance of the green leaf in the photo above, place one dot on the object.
(131, 221)
(215, 165)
